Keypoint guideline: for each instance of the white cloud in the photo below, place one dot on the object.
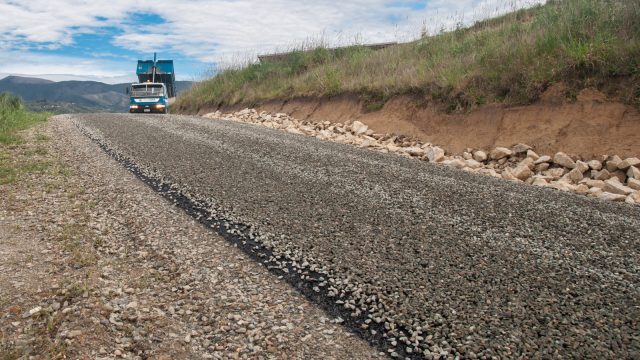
(211, 30)
(57, 68)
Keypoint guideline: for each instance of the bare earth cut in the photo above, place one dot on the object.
(590, 125)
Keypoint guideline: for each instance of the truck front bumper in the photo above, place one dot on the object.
(150, 108)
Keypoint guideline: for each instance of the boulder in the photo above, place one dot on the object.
(507, 174)
(480, 156)
(489, 172)
(520, 148)
(539, 181)
(581, 166)
(392, 148)
(600, 175)
(575, 175)
(594, 191)
(522, 171)
(628, 162)
(359, 128)
(473, 164)
(633, 173)
(542, 167)
(564, 160)
(533, 155)
(593, 183)
(615, 187)
(456, 163)
(582, 189)
(636, 197)
(633, 183)
(435, 154)
(562, 186)
(543, 159)
(620, 175)
(595, 164)
(365, 144)
(612, 163)
(528, 162)
(555, 173)
(467, 155)
(414, 151)
(293, 130)
(500, 153)
(611, 197)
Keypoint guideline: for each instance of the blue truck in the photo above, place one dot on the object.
(155, 87)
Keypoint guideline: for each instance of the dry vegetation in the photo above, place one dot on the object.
(511, 59)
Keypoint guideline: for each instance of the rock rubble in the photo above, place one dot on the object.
(520, 163)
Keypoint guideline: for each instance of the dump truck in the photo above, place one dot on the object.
(155, 88)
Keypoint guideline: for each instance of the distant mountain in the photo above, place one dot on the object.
(72, 96)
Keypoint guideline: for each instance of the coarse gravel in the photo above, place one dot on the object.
(443, 262)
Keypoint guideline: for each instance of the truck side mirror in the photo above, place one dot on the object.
(127, 90)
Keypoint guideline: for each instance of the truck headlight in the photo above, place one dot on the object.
(159, 106)
(133, 106)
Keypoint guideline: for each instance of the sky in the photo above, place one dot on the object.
(102, 40)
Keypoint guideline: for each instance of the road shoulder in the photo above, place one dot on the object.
(96, 265)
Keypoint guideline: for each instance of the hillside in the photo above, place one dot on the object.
(510, 60)
(71, 96)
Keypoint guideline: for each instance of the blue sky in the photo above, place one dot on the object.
(101, 40)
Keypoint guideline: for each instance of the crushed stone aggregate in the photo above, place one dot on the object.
(448, 263)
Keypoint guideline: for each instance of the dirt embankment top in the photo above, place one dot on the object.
(591, 125)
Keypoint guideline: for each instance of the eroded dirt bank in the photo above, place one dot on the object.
(590, 126)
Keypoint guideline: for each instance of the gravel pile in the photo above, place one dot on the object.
(607, 177)
(431, 261)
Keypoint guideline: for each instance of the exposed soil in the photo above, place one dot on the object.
(587, 126)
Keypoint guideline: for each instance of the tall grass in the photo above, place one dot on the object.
(14, 117)
(510, 59)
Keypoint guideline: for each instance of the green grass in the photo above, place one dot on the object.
(510, 59)
(15, 117)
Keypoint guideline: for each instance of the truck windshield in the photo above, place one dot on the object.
(147, 90)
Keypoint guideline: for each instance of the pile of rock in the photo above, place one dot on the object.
(606, 177)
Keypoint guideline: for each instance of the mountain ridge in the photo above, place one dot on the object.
(72, 95)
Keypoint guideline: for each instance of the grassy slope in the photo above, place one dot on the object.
(511, 59)
(13, 118)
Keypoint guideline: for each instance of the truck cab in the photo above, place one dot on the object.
(156, 87)
(149, 97)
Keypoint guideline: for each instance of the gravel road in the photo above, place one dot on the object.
(427, 261)
(95, 265)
